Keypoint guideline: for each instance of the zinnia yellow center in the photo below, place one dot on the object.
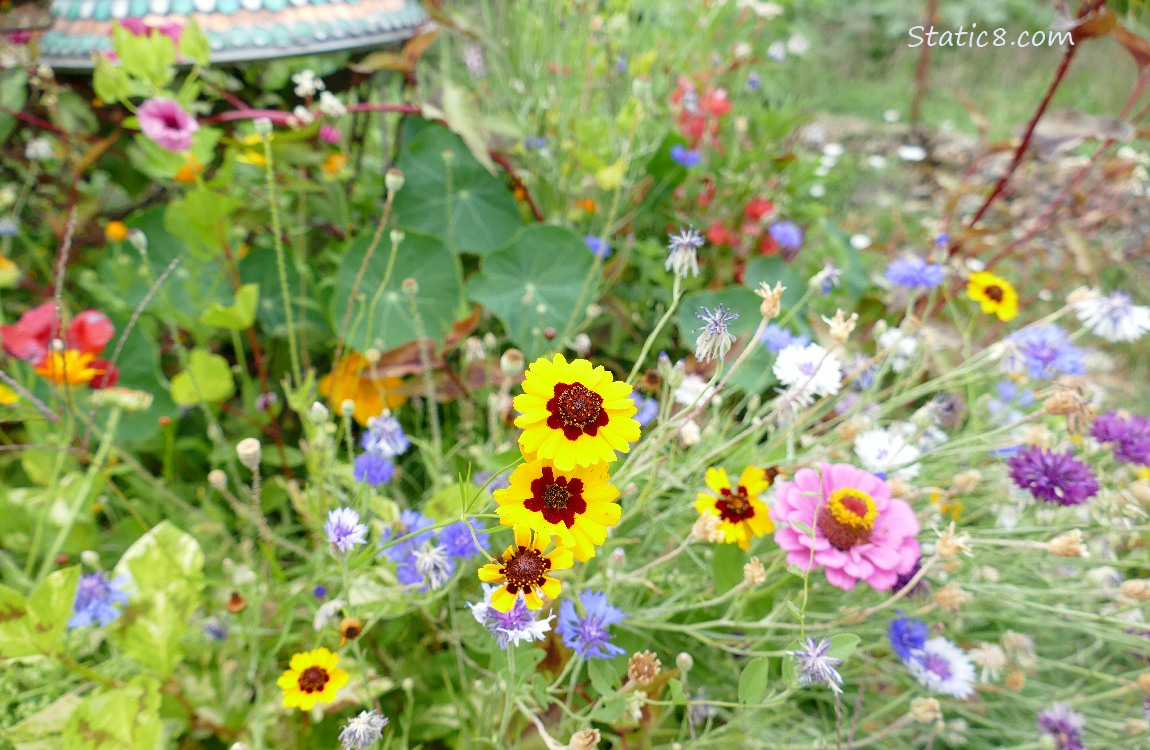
(848, 518)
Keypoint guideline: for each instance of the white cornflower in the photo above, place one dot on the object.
(991, 658)
(689, 433)
(883, 451)
(683, 249)
(809, 371)
(1113, 317)
(900, 346)
(798, 45)
(943, 668)
(39, 149)
(363, 731)
(331, 106)
(777, 51)
(693, 391)
(715, 338)
(307, 83)
(434, 564)
(326, 612)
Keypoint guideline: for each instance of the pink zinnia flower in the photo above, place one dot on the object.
(165, 122)
(860, 531)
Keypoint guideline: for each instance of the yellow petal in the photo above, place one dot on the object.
(717, 480)
(502, 600)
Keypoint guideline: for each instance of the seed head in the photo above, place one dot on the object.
(1069, 544)
(754, 574)
(643, 667)
(925, 710)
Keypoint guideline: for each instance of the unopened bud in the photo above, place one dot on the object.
(262, 126)
(218, 479)
(967, 481)
(410, 286)
(319, 413)
(1144, 682)
(397, 236)
(393, 180)
(91, 558)
(347, 408)
(512, 363)
(684, 662)
(249, 451)
(925, 710)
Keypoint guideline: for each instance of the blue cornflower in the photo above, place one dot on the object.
(685, 157)
(428, 565)
(458, 541)
(512, 627)
(373, 469)
(598, 246)
(828, 278)
(914, 273)
(715, 337)
(1043, 353)
(776, 338)
(787, 233)
(98, 600)
(907, 636)
(535, 143)
(320, 591)
(362, 731)
(216, 629)
(409, 522)
(343, 529)
(815, 666)
(384, 436)
(754, 81)
(648, 408)
(406, 572)
(589, 635)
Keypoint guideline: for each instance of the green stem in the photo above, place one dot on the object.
(676, 295)
(281, 265)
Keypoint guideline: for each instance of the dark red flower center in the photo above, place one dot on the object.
(735, 506)
(559, 499)
(994, 292)
(312, 679)
(577, 410)
(525, 569)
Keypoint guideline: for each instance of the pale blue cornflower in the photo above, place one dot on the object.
(363, 731)
(343, 529)
(943, 668)
(683, 252)
(814, 665)
(512, 627)
(914, 273)
(1043, 353)
(828, 278)
(458, 540)
(589, 635)
(1113, 317)
(98, 600)
(715, 337)
(384, 436)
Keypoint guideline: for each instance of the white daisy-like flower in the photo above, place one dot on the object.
(901, 347)
(434, 564)
(307, 83)
(363, 731)
(1113, 317)
(330, 105)
(777, 51)
(326, 612)
(693, 391)
(809, 371)
(515, 626)
(887, 452)
(943, 668)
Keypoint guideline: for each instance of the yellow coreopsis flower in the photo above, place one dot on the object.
(311, 678)
(352, 379)
(742, 514)
(574, 414)
(996, 295)
(524, 569)
(576, 506)
(68, 366)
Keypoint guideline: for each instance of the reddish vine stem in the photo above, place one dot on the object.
(282, 118)
(517, 183)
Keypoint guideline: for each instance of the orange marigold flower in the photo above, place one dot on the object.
(352, 379)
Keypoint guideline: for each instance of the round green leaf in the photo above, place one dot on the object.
(381, 316)
(208, 379)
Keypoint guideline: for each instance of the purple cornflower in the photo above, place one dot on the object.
(1064, 724)
(1135, 447)
(776, 338)
(343, 529)
(216, 629)
(409, 522)
(1110, 427)
(384, 436)
(98, 600)
(265, 401)
(598, 246)
(814, 666)
(457, 540)
(362, 731)
(648, 408)
(373, 469)
(1056, 477)
(1043, 353)
(904, 580)
(512, 627)
(715, 337)
(320, 591)
(914, 273)
(906, 637)
(166, 123)
(685, 157)
(787, 233)
(535, 143)
(589, 635)
(943, 668)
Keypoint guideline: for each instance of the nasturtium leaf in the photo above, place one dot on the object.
(208, 379)
(150, 57)
(727, 566)
(753, 681)
(456, 200)
(35, 624)
(536, 282)
(165, 571)
(678, 696)
(201, 219)
(604, 676)
(381, 315)
(193, 43)
(123, 718)
(238, 315)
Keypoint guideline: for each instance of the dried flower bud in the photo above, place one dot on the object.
(643, 667)
(951, 597)
(1015, 680)
(1136, 588)
(236, 603)
(689, 433)
(771, 299)
(393, 180)
(1060, 403)
(650, 381)
(1069, 544)
(588, 739)
(350, 628)
(708, 529)
(850, 429)
(925, 710)
(1140, 490)
(841, 326)
(512, 363)
(899, 487)
(249, 451)
(967, 481)
(218, 479)
(951, 543)
(754, 574)
(1144, 682)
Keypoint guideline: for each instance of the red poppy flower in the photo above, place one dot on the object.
(757, 209)
(90, 331)
(108, 376)
(718, 234)
(28, 337)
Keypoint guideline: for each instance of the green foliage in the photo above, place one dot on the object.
(35, 624)
(121, 718)
(753, 680)
(237, 316)
(208, 380)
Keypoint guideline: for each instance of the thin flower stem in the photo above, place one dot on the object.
(383, 219)
(676, 295)
(281, 265)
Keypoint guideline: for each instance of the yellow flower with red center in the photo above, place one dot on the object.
(352, 379)
(116, 231)
(68, 366)
(742, 514)
(576, 506)
(995, 294)
(312, 678)
(574, 414)
(525, 569)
